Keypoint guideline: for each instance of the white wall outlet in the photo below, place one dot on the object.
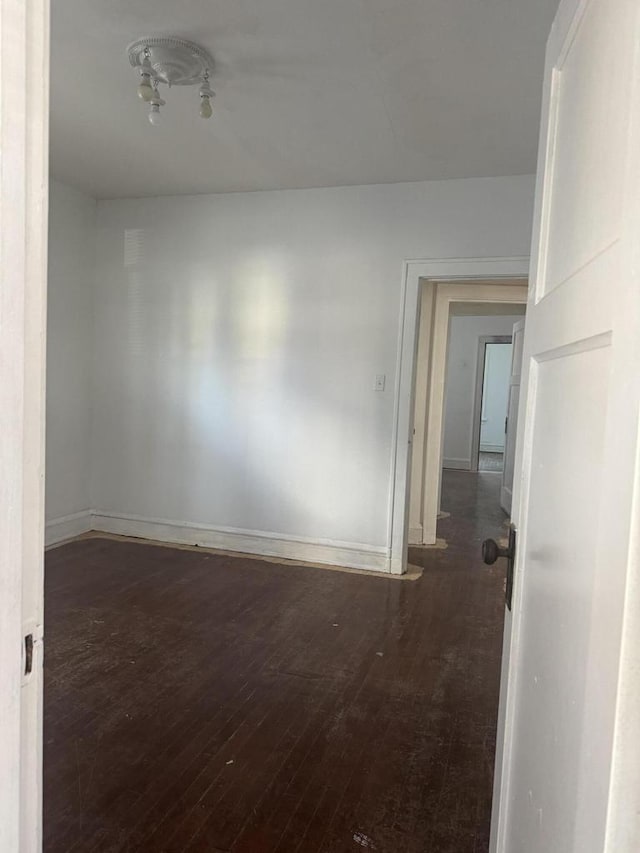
(378, 385)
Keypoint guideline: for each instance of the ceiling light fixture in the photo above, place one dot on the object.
(206, 93)
(174, 62)
(145, 89)
(155, 103)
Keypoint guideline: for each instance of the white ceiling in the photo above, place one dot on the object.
(309, 93)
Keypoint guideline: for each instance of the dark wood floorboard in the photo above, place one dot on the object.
(197, 702)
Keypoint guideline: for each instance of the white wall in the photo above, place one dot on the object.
(237, 341)
(462, 357)
(495, 396)
(71, 272)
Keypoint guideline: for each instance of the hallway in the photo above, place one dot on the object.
(201, 702)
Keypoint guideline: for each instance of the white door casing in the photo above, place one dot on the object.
(506, 489)
(24, 74)
(446, 294)
(568, 762)
(424, 279)
(415, 273)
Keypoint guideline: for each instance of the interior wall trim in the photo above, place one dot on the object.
(334, 553)
(438, 271)
(415, 534)
(65, 527)
(458, 464)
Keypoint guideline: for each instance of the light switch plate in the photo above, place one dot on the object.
(378, 385)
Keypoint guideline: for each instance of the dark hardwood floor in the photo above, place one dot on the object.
(196, 702)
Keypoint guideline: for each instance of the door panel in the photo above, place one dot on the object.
(583, 166)
(562, 563)
(565, 695)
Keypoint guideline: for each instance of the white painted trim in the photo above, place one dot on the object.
(447, 293)
(421, 384)
(415, 535)
(414, 272)
(456, 464)
(402, 428)
(33, 49)
(67, 526)
(334, 553)
(24, 77)
(492, 448)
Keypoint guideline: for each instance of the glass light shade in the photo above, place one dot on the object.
(206, 109)
(154, 114)
(145, 91)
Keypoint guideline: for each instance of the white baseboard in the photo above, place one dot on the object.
(459, 464)
(492, 448)
(395, 566)
(349, 555)
(67, 526)
(415, 535)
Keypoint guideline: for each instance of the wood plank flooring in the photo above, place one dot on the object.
(195, 702)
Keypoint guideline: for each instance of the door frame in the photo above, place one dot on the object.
(510, 433)
(476, 422)
(24, 143)
(425, 332)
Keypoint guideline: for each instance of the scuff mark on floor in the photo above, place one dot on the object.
(439, 543)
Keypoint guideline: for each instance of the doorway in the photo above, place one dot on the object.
(423, 386)
(477, 387)
(491, 402)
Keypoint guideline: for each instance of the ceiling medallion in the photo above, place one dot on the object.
(174, 62)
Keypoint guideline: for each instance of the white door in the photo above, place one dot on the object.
(24, 46)
(506, 490)
(495, 390)
(568, 775)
